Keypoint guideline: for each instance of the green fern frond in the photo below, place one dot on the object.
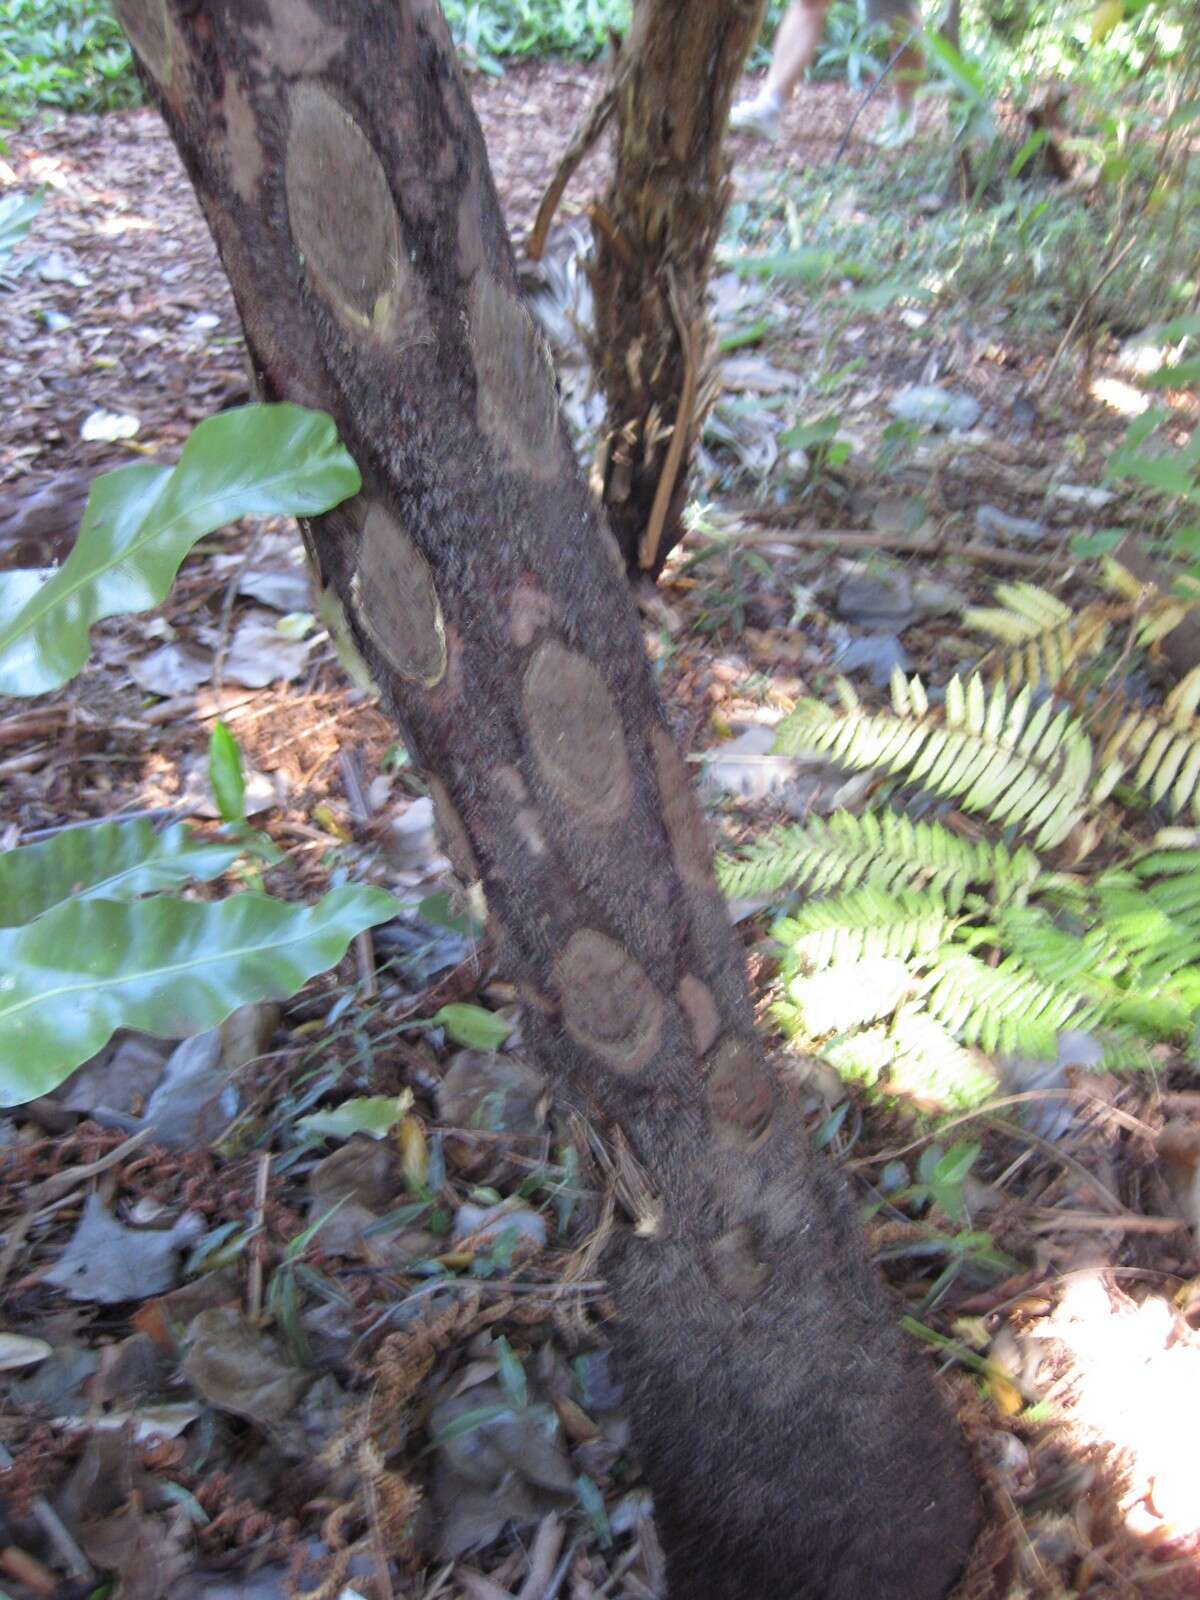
(1042, 640)
(1157, 936)
(862, 1057)
(1155, 751)
(1091, 962)
(1019, 764)
(862, 924)
(932, 1068)
(884, 849)
(914, 1058)
(845, 996)
(1024, 611)
(1172, 879)
(1005, 1008)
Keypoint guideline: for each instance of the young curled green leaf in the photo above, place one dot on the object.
(141, 521)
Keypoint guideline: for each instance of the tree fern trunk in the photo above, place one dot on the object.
(655, 230)
(794, 1446)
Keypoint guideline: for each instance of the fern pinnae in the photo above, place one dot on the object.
(1040, 638)
(1185, 786)
(1181, 705)
(1006, 1007)
(1152, 757)
(1161, 778)
(865, 923)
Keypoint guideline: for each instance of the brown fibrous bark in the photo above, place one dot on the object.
(794, 1445)
(655, 230)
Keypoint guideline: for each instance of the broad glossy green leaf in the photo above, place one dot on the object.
(225, 775)
(113, 861)
(141, 521)
(472, 1026)
(373, 1114)
(165, 966)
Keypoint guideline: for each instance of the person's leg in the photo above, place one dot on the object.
(795, 45)
(903, 24)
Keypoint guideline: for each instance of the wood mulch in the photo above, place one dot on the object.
(117, 304)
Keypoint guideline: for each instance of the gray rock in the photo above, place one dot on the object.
(119, 1078)
(282, 588)
(929, 406)
(743, 769)
(239, 1368)
(1082, 494)
(529, 1442)
(933, 598)
(599, 1387)
(796, 465)
(1051, 1117)
(259, 654)
(493, 1093)
(878, 654)
(997, 524)
(877, 599)
(171, 669)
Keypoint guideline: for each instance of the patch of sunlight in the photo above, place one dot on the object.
(110, 227)
(1120, 396)
(54, 173)
(1134, 1385)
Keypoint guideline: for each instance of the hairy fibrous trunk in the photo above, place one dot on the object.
(794, 1446)
(655, 231)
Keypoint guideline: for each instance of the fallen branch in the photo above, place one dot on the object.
(985, 555)
(1091, 1222)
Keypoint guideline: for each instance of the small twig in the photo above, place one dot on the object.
(559, 1576)
(153, 812)
(1082, 307)
(1053, 1153)
(584, 137)
(32, 1574)
(254, 1288)
(985, 555)
(352, 785)
(478, 1586)
(1093, 1221)
(1181, 1100)
(665, 487)
(58, 1183)
(364, 957)
(31, 724)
